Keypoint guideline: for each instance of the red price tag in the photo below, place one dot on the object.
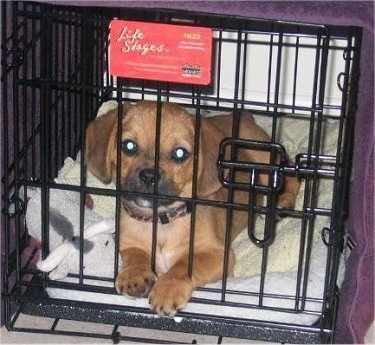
(163, 52)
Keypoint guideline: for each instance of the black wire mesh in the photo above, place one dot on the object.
(55, 77)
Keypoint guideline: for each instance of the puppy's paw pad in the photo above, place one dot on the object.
(135, 282)
(170, 295)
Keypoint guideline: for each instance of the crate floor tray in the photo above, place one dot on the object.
(205, 314)
(137, 315)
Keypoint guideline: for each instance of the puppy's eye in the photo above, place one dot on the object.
(130, 147)
(180, 154)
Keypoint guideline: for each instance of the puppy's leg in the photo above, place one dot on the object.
(288, 197)
(136, 277)
(173, 290)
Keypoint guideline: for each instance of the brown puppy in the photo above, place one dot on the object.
(170, 283)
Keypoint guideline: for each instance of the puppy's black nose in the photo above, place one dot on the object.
(149, 176)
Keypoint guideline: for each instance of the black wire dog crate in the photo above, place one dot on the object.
(298, 80)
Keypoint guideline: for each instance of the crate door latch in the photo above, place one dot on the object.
(237, 171)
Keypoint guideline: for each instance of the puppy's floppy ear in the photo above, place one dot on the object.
(208, 181)
(101, 145)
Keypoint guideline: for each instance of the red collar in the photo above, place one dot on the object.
(164, 217)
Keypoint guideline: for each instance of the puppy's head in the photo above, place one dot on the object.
(173, 174)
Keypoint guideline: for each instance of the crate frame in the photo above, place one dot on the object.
(21, 81)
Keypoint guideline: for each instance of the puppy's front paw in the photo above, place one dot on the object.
(169, 295)
(135, 280)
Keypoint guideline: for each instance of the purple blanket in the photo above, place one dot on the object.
(356, 310)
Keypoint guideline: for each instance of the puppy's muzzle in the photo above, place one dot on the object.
(144, 182)
(149, 177)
